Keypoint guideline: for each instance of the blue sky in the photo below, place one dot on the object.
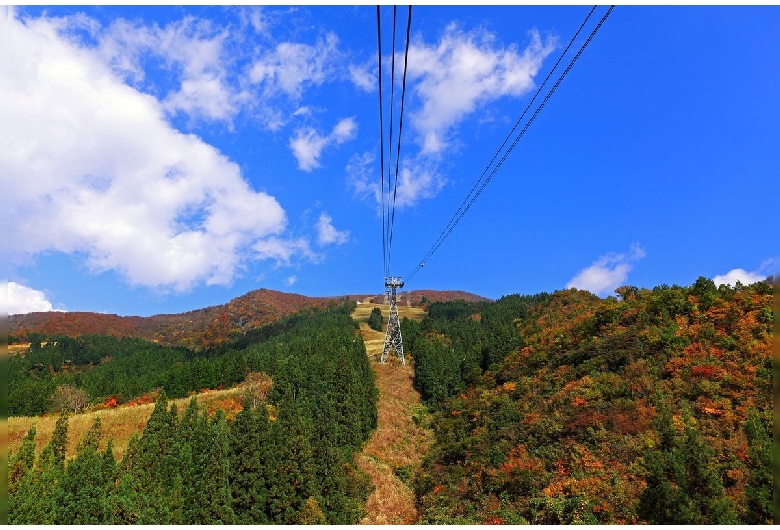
(163, 159)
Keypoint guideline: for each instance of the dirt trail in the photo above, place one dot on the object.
(398, 445)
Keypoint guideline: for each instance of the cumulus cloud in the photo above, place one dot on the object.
(447, 81)
(307, 144)
(608, 272)
(364, 77)
(461, 73)
(23, 299)
(290, 281)
(283, 250)
(193, 51)
(415, 184)
(739, 275)
(327, 233)
(344, 130)
(417, 180)
(291, 66)
(91, 165)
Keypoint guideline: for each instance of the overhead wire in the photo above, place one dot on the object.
(390, 144)
(471, 199)
(400, 130)
(381, 139)
(455, 216)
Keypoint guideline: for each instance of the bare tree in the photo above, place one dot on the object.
(67, 397)
(257, 385)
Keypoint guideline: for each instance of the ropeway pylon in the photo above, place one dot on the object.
(393, 339)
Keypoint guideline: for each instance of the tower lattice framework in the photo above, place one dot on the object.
(393, 341)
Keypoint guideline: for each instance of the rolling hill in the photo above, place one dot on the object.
(200, 327)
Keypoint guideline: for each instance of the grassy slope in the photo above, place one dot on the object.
(398, 441)
(118, 423)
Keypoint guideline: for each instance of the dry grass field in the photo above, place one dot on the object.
(118, 423)
(398, 441)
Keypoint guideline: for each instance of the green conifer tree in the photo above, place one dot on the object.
(33, 502)
(249, 440)
(760, 484)
(217, 502)
(22, 462)
(59, 441)
(375, 319)
(683, 485)
(82, 496)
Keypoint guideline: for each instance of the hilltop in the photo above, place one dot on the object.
(202, 327)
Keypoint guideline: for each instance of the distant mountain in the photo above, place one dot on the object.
(416, 297)
(201, 327)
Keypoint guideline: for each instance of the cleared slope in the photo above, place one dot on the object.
(398, 445)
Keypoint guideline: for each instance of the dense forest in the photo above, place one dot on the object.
(285, 458)
(651, 407)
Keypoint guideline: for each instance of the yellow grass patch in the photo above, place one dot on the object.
(118, 424)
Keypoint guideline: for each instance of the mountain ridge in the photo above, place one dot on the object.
(204, 327)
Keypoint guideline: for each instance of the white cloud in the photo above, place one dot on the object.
(738, 275)
(307, 144)
(608, 272)
(291, 281)
(192, 49)
(327, 234)
(91, 165)
(344, 130)
(416, 181)
(364, 77)
(292, 66)
(362, 178)
(283, 250)
(23, 299)
(462, 72)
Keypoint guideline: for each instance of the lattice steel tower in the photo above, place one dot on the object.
(393, 339)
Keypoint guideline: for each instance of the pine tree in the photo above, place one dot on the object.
(375, 319)
(760, 483)
(22, 462)
(311, 513)
(130, 498)
(83, 493)
(216, 499)
(250, 441)
(33, 502)
(148, 471)
(683, 485)
(59, 441)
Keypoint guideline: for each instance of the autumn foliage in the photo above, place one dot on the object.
(618, 410)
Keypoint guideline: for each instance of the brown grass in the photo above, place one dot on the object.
(118, 424)
(398, 440)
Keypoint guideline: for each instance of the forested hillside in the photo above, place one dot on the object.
(652, 407)
(198, 329)
(286, 457)
(202, 328)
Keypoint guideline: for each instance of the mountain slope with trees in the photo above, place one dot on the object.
(286, 457)
(554, 409)
(199, 329)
